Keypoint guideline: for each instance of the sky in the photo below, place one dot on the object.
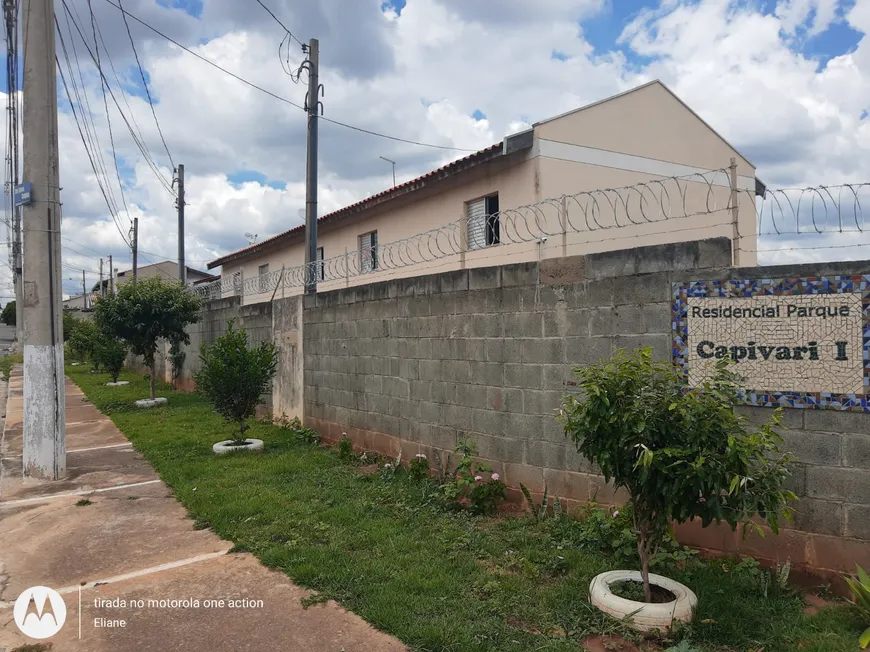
(786, 82)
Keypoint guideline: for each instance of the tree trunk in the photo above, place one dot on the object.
(643, 551)
(153, 379)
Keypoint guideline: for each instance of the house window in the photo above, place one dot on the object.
(263, 275)
(237, 284)
(484, 226)
(368, 252)
(320, 270)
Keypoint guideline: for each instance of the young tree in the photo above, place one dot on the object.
(144, 312)
(233, 376)
(8, 314)
(111, 353)
(680, 453)
(84, 340)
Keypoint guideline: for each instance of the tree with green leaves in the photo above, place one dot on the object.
(145, 312)
(111, 353)
(234, 376)
(84, 341)
(8, 314)
(680, 453)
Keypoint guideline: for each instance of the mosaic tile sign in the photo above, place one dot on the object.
(796, 342)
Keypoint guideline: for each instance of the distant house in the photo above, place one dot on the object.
(642, 136)
(78, 302)
(167, 270)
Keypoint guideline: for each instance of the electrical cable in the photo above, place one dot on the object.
(106, 106)
(277, 20)
(87, 151)
(144, 83)
(139, 144)
(278, 97)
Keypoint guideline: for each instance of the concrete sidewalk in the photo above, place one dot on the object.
(134, 542)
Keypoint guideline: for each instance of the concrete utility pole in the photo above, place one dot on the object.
(182, 270)
(44, 412)
(111, 278)
(10, 14)
(102, 294)
(135, 247)
(84, 291)
(312, 105)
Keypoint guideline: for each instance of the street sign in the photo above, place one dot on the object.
(22, 194)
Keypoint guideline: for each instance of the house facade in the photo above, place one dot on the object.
(640, 168)
(167, 270)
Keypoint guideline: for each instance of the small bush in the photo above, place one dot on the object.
(8, 314)
(487, 495)
(111, 354)
(233, 377)
(345, 449)
(419, 467)
(84, 341)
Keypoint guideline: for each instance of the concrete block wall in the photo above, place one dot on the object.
(415, 364)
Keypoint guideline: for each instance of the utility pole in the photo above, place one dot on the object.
(182, 270)
(312, 105)
(111, 278)
(84, 291)
(135, 247)
(44, 427)
(10, 14)
(102, 294)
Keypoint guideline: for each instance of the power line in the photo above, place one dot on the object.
(106, 106)
(278, 97)
(139, 143)
(277, 20)
(144, 83)
(87, 151)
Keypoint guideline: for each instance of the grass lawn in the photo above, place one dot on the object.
(439, 580)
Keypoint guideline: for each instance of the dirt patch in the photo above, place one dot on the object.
(608, 644)
(369, 469)
(815, 604)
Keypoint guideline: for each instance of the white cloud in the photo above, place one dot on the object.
(421, 75)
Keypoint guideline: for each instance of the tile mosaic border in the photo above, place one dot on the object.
(858, 284)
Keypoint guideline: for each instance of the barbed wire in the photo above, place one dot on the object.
(796, 211)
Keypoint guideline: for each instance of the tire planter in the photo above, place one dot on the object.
(644, 616)
(224, 447)
(151, 402)
(120, 383)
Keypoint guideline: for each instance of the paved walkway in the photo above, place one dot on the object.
(135, 542)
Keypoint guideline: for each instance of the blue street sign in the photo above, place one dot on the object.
(22, 194)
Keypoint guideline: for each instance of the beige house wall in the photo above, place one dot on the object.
(643, 136)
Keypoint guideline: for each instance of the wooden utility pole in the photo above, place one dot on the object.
(44, 427)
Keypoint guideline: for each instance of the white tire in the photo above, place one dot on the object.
(644, 616)
(151, 402)
(224, 447)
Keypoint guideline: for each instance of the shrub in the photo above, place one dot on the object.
(860, 588)
(466, 481)
(419, 467)
(680, 453)
(8, 314)
(69, 323)
(111, 354)
(233, 376)
(84, 341)
(345, 449)
(144, 312)
(487, 494)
